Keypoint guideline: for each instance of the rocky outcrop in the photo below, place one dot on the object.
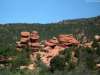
(96, 37)
(88, 44)
(29, 40)
(51, 48)
(25, 37)
(51, 44)
(68, 40)
(33, 44)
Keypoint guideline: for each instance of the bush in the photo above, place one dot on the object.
(98, 50)
(95, 44)
(7, 52)
(57, 63)
(71, 65)
(90, 61)
(61, 52)
(67, 55)
(43, 68)
(38, 57)
(21, 60)
(77, 52)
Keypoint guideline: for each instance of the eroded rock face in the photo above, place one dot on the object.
(25, 37)
(68, 40)
(25, 34)
(29, 40)
(96, 37)
(34, 41)
(51, 48)
(88, 44)
(51, 44)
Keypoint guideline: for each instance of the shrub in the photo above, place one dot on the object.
(43, 68)
(57, 63)
(98, 50)
(95, 44)
(90, 61)
(88, 50)
(71, 65)
(77, 52)
(38, 57)
(60, 52)
(21, 60)
(6, 52)
(68, 55)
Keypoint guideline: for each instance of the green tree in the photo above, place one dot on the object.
(67, 55)
(7, 52)
(71, 65)
(21, 60)
(57, 63)
(95, 44)
(90, 61)
(98, 50)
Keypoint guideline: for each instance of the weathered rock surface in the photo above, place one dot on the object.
(25, 37)
(68, 40)
(51, 48)
(88, 44)
(96, 37)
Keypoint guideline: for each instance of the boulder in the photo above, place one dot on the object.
(88, 44)
(68, 40)
(24, 39)
(54, 40)
(98, 65)
(24, 34)
(49, 44)
(47, 48)
(96, 37)
(33, 36)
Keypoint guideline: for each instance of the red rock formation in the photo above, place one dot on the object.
(88, 44)
(51, 47)
(25, 37)
(68, 40)
(24, 41)
(96, 37)
(33, 44)
(51, 44)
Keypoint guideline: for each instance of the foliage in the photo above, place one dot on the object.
(10, 33)
(67, 53)
(57, 63)
(7, 52)
(95, 44)
(98, 50)
(38, 57)
(21, 60)
(71, 65)
(90, 61)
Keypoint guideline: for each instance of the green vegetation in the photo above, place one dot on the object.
(80, 28)
(62, 64)
(57, 63)
(87, 59)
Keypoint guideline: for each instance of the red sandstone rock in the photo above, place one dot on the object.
(34, 32)
(24, 39)
(35, 44)
(49, 44)
(88, 44)
(33, 36)
(98, 65)
(54, 40)
(25, 34)
(96, 37)
(48, 48)
(68, 40)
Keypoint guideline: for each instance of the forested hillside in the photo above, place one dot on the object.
(81, 28)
